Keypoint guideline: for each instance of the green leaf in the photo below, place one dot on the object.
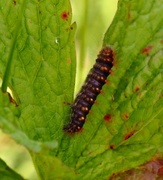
(41, 76)
(124, 128)
(7, 173)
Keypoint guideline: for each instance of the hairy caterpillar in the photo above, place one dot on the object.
(90, 90)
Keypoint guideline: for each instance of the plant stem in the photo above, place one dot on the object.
(11, 51)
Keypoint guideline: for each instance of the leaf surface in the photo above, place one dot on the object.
(124, 128)
(41, 56)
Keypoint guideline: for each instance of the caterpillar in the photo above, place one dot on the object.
(90, 90)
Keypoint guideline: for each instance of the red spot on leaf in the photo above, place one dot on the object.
(128, 15)
(160, 171)
(102, 92)
(137, 88)
(65, 15)
(69, 61)
(65, 103)
(90, 152)
(70, 28)
(129, 12)
(14, 1)
(107, 117)
(127, 136)
(146, 50)
(140, 94)
(112, 146)
(125, 116)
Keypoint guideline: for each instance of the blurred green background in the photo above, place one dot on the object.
(92, 18)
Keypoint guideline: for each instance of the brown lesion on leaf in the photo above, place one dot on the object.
(150, 170)
(125, 116)
(14, 1)
(69, 61)
(69, 29)
(130, 134)
(125, 95)
(136, 89)
(108, 117)
(112, 146)
(65, 15)
(147, 50)
(129, 13)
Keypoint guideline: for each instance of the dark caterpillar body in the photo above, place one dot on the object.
(89, 91)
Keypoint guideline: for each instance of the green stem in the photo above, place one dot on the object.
(11, 52)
